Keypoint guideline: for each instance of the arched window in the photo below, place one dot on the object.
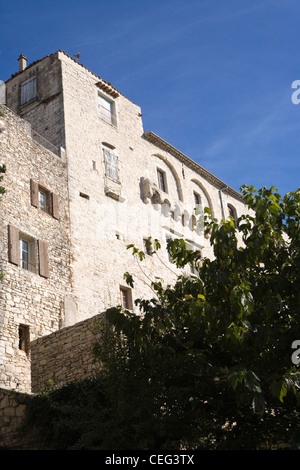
(162, 180)
(232, 211)
(197, 199)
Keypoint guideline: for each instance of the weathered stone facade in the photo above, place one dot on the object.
(12, 417)
(65, 355)
(32, 301)
(112, 183)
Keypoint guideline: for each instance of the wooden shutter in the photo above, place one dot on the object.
(13, 245)
(34, 193)
(28, 90)
(43, 259)
(111, 164)
(55, 209)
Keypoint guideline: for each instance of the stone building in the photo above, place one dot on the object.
(83, 181)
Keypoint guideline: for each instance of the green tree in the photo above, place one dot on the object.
(207, 363)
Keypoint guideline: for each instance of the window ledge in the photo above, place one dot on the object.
(114, 194)
(22, 106)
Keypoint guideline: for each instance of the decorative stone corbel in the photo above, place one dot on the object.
(151, 192)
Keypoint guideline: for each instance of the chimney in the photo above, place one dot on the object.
(22, 62)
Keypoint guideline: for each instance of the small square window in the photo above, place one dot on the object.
(44, 199)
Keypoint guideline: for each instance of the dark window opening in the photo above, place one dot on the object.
(162, 180)
(148, 246)
(197, 199)
(24, 338)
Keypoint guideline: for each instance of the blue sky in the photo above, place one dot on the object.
(213, 77)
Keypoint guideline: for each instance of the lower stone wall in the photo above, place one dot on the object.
(12, 414)
(65, 355)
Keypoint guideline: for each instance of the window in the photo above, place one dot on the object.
(28, 91)
(24, 254)
(148, 248)
(162, 180)
(24, 338)
(44, 199)
(107, 109)
(111, 164)
(126, 298)
(197, 199)
(232, 212)
(169, 236)
(44, 202)
(195, 248)
(28, 253)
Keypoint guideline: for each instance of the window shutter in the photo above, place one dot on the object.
(55, 209)
(28, 90)
(13, 245)
(111, 165)
(43, 259)
(34, 193)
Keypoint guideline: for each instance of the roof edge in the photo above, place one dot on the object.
(101, 82)
(164, 145)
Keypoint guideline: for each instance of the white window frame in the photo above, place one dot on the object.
(107, 109)
(44, 200)
(29, 263)
(126, 298)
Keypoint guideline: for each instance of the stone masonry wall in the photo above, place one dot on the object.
(29, 300)
(12, 413)
(101, 217)
(107, 215)
(64, 356)
(102, 226)
(45, 112)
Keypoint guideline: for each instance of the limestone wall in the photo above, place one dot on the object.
(12, 413)
(99, 215)
(45, 111)
(101, 225)
(64, 356)
(32, 303)
(108, 215)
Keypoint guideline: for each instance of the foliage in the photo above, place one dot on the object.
(68, 418)
(207, 364)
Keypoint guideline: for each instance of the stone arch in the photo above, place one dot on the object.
(174, 174)
(204, 190)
